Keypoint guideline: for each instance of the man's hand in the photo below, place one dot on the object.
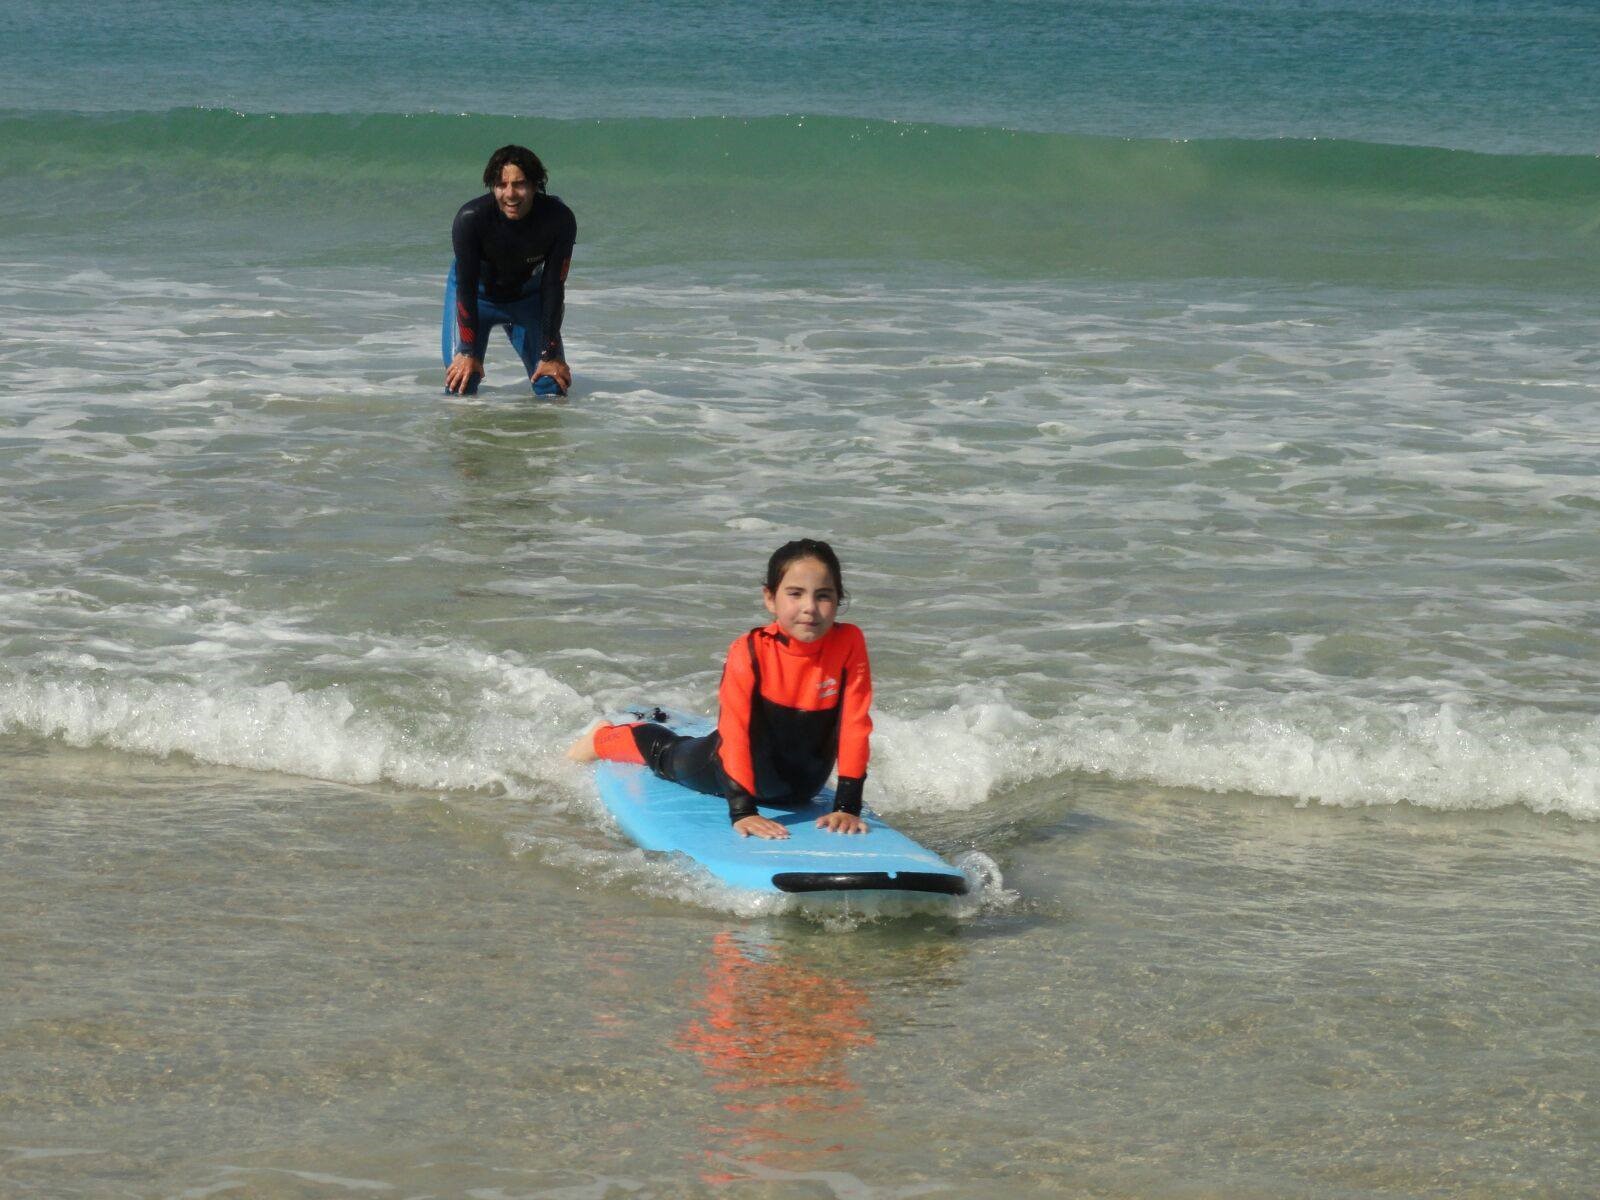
(841, 822)
(554, 367)
(458, 375)
(759, 826)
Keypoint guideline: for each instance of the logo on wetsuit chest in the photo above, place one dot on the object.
(828, 688)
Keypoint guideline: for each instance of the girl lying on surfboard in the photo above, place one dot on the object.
(794, 702)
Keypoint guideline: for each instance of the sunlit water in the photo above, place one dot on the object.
(1222, 517)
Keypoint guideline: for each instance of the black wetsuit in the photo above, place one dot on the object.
(502, 255)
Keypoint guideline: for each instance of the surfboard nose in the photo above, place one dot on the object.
(875, 881)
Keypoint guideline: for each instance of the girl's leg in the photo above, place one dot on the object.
(690, 761)
(629, 743)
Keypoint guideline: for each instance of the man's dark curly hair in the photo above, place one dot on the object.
(520, 156)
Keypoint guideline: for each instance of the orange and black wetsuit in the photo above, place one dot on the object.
(789, 712)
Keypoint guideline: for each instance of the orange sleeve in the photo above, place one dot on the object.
(855, 722)
(733, 715)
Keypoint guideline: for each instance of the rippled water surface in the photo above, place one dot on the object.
(1212, 460)
(1140, 567)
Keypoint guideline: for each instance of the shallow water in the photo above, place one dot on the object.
(1219, 507)
(1338, 549)
(265, 988)
(254, 542)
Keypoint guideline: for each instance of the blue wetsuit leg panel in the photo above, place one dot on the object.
(447, 331)
(447, 328)
(525, 326)
(525, 339)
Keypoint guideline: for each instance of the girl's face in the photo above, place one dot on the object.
(806, 602)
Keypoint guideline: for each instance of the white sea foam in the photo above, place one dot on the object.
(1441, 757)
(1342, 552)
(508, 722)
(319, 733)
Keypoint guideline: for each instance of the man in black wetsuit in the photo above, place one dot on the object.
(513, 248)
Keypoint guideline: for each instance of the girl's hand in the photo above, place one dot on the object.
(762, 827)
(842, 822)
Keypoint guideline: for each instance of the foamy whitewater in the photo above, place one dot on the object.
(1210, 442)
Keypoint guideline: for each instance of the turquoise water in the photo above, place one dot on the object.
(1202, 398)
(725, 195)
(1495, 75)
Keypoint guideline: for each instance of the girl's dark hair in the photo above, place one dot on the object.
(522, 157)
(792, 552)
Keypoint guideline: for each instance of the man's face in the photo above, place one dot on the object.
(513, 193)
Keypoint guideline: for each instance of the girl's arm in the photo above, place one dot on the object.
(734, 697)
(855, 726)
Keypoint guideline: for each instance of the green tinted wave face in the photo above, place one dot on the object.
(816, 193)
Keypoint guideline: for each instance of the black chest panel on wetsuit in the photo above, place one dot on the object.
(792, 749)
(509, 252)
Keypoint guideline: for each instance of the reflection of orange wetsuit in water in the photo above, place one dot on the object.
(789, 710)
(773, 1039)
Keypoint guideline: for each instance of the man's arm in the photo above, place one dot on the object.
(553, 299)
(468, 360)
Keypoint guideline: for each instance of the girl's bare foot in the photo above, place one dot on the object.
(582, 750)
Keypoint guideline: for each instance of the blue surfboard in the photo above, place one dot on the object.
(659, 815)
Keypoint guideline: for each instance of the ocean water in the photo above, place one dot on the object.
(1203, 400)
